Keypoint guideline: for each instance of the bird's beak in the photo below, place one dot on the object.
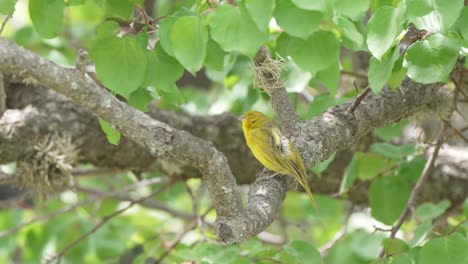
(242, 118)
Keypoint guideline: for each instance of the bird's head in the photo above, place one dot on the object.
(253, 119)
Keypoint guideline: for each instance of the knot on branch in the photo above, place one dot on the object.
(49, 167)
(267, 72)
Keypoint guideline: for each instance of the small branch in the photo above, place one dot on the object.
(74, 206)
(456, 227)
(2, 95)
(339, 235)
(412, 199)
(359, 99)
(456, 131)
(177, 240)
(6, 178)
(106, 219)
(45, 217)
(153, 204)
(354, 74)
(81, 60)
(3, 24)
(96, 172)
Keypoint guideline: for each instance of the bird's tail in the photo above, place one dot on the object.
(301, 178)
(305, 184)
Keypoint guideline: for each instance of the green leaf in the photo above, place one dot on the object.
(47, 17)
(189, 38)
(369, 165)
(295, 21)
(296, 79)
(375, 4)
(349, 176)
(171, 98)
(394, 246)
(7, 7)
(312, 5)
(352, 38)
(388, 196)
(398, 74)
(383, 27)
(164, 33)
(366, 245)
(402, 259)
(120, 63)
(344, 250)
(450, 249)
(463, 21)
(435, 15)
(391, 131)
(261, 12)
(421, 233)
(432, 59)
(162, 70)
(74, 2)
(418, 8)
(107, 29)
(323, 165)
(215, 57)
(380, 71)
(140, 98)
(314, 54)
(119, 8)
(234, 30)
(354, 9)
(429, 211)
(113, 135)
(298, 251)
(330, 77)
(393, 151)
(411, 170)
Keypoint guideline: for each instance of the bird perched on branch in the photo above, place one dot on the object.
(273, 149)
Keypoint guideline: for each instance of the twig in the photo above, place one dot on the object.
(456, 131)
(456, 227)
(177, 240)
(81, 60)
(4, 23)
(181, 235)
(6, 178)
(272, 239)
(3, 97)
(359, 99)
(71, 207)
(195, 201)
(340, 234)
(147, 203)
(376, 228)
(354, 74)
(412, 199)
(45, 217)
(106, 219)
(96, 172)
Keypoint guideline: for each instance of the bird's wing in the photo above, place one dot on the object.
(281, 143)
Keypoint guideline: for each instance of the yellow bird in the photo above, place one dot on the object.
(273, 149)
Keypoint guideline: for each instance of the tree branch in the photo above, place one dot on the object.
(412, 199)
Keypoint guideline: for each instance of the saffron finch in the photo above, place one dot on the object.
(273, 149)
